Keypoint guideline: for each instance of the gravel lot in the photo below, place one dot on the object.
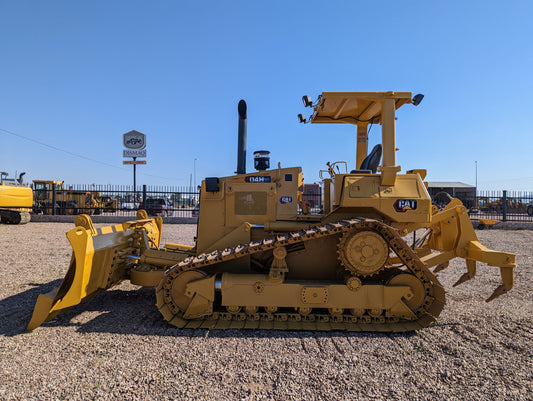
(117, 346)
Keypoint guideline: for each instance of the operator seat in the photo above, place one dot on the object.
(371, 162)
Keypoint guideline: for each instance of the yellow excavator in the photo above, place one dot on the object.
(16, 200)
(261, 260)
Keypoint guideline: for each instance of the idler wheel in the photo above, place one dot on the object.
(364, 253)
(177, 292)
(417, 287)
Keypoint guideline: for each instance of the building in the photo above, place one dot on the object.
(312, 193)
(464, 192)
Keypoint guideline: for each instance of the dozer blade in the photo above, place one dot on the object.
(99, 261)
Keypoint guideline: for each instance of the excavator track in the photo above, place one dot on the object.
(431, 304)
(10, 216)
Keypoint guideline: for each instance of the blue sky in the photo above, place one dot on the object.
(77, 75)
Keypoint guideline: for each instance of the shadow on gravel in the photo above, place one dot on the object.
(132, 312)
(16, 310)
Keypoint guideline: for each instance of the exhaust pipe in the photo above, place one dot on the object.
(20, 179)
(241, 151)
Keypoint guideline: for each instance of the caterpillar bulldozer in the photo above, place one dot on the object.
(50, 195)
(263, 261)
(16, 200)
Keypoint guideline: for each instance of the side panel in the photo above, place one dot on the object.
(11, 196)
(289, 190)
(256, 198)
(211, 217)
(406, 201)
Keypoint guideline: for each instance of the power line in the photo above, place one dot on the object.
(59, 149)
(76, 154)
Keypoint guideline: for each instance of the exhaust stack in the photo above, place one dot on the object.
(241, 151)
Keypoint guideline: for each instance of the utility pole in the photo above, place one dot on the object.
(476, 175)
(194, 189)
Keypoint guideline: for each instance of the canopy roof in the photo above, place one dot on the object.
(355, 107)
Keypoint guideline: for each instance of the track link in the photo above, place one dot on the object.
(426, 314)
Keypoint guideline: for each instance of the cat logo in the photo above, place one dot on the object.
(402, 205)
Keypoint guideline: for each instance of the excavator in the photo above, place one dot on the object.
(16, 200)
(261, 260)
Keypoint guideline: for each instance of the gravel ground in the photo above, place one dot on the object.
(117, 346)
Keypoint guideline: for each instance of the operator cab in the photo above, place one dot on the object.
(375, 190)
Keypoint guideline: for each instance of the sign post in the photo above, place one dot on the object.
(134, 179)
(135, 144)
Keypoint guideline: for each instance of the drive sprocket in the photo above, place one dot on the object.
(363, 252)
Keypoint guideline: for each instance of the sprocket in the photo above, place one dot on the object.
(363, 253)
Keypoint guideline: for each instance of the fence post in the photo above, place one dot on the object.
(144, 196)
(53, 199)
(504, 208)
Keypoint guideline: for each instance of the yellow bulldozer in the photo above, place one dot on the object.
(16, 200)
(262, 260)
(69, 201)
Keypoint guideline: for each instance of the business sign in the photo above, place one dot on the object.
(133, 161)
(134, 140)
(134, 153)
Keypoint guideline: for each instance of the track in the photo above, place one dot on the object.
(10, 216)
(431, 306)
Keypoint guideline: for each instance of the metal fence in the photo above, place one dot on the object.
(121, 200)
(497, 205)
(172, 201)
(503, 205)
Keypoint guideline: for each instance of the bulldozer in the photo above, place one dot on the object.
(263, 260)
(16, 199)
(52, 197)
